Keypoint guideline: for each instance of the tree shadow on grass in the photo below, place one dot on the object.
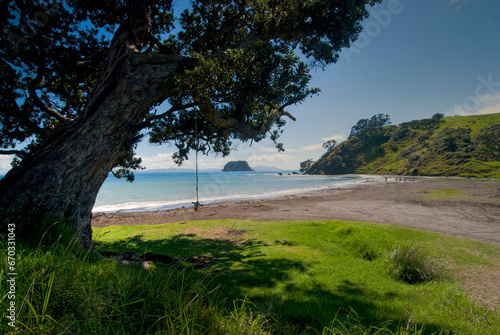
(239, 266)
(354, 306)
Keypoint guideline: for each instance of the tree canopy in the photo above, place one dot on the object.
(306, 164)
(330, 145)
(240, 65)
(370, 126)
(82, 82)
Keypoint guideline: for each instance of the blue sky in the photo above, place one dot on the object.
(415, 58)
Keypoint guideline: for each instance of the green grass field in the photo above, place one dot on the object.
(318, 277)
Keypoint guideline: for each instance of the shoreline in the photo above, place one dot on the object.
(153, 206)
(473, 212)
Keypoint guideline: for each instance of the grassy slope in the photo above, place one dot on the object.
(422, 151)
(303, 273)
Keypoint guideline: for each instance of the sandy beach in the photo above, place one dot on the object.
(473, 213)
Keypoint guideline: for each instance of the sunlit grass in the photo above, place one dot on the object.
(305, 272)
(63, 290)
(313, 277)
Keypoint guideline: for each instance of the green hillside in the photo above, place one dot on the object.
(449, 146)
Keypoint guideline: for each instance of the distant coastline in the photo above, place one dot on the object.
(465, 146)
(260, 168)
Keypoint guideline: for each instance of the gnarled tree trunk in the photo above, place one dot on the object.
(64, 174)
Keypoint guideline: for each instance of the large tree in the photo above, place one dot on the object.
(82, 81)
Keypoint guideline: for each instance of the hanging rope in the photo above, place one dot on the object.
(197, 203)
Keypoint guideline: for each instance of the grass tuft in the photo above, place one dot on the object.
(412, 266)
(348, 322)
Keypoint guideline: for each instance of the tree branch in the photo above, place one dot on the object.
(22, 116)
(251, 38)
(149, 118)
(158, 59)
(285, 113)
(226, 27)
(218, 119)
(13, 152)
(170, 111)
(161, 47)
(124, 51)
(38, 102)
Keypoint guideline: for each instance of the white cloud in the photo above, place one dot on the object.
(274, 150)
(319, 146)
(489, 104)
(459, 4)
(456, 5)
(268, 149)
(312, 147)
(457, 110)
(268, 159)
(485, 104)
(291, 150)
(334, 137)
(209, 163)
(159, 161)
(5, 161)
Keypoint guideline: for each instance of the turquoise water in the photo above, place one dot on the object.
(159, 191)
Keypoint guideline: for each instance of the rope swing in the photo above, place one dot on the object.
(197, 203)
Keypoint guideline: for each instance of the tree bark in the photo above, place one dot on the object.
(63, 175)
(62, 178)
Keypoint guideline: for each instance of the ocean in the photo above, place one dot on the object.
(160, 191)
(152, 191)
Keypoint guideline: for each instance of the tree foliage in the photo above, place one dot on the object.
(239, 71)
(369, 127)
(82, 82)
(424, 124)
(490, 137)
(305, 165)
(330, 145)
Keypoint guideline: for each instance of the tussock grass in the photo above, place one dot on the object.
(411, 265)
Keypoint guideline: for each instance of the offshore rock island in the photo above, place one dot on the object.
(237, 166)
